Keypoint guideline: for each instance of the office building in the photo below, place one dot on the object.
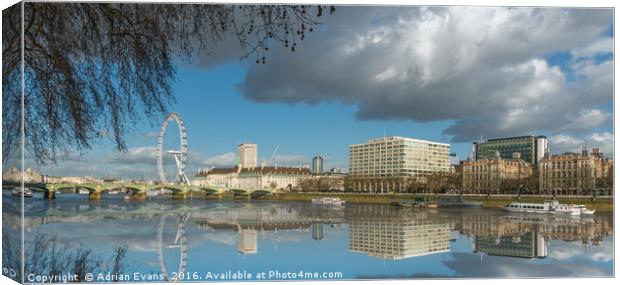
(531, 148)
(248, 155)
(384, 164)
(317, 165)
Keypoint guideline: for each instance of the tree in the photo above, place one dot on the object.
(92, 70)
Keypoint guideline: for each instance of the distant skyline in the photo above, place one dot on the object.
(446, 74)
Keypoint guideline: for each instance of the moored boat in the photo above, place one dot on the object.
(585, 211)
(548, 207)
(328, 201)
(19, 193)
(459, 201)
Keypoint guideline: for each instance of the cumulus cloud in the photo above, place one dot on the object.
(227, 159)
(566, 143)
(483, 68)
(137, 155)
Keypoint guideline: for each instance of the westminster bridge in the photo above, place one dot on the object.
(137, 191)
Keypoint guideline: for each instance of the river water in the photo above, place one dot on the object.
(241, 239)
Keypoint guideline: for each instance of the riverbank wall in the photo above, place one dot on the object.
(601, 203)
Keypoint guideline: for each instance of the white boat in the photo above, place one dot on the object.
(18, 193)
(548, 207)
(328, 201)
(584, 210)
(83, 191)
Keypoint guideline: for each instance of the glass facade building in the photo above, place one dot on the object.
(317, 165)
(531, 148)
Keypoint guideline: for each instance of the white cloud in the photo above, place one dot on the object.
(587, 119)
(227, 159)
(145, 155)
(566, 143)
(600, 47)
(484, 68)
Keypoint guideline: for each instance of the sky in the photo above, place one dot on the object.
(447, 74)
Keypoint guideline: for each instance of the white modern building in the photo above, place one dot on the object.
(248, 155)
(384, 164)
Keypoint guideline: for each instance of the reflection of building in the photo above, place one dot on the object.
(529, 245)
(589, 232)
(248, 155)
(259, 177)
(248, 241)
(531, 148)
(569, 173)
(383, 164)
(317, 165)
(317, 231)
(398, 237)
(485, 175)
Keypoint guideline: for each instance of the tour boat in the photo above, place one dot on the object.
(18, 193)
(584, 210)
(552, 207)
(83, 191)
(328, 201)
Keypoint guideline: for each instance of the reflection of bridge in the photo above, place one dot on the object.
(141, 191)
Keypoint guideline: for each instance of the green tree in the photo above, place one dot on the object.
(92, 70)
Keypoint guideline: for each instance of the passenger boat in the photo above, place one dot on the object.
(83, 191)
(18, 193)
(548, 207)
(328, 201)
(585, 211)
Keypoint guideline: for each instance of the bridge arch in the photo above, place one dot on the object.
(209, 190)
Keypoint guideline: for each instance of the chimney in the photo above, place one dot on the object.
(596, 151)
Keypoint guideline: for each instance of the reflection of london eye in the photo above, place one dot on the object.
(180, 242)
(180, 155)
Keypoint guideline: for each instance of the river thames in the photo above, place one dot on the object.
(255, 240)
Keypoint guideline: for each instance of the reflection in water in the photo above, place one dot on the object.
(317, 231)
(179, 242)
(227, 235)
(389, 233)
(529, 245)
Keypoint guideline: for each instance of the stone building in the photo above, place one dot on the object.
(489, 176)
(576, 174)
(286, 178)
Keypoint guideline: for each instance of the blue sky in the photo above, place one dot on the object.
(444, 74)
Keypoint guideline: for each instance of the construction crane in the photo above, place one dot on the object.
(273, 155)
